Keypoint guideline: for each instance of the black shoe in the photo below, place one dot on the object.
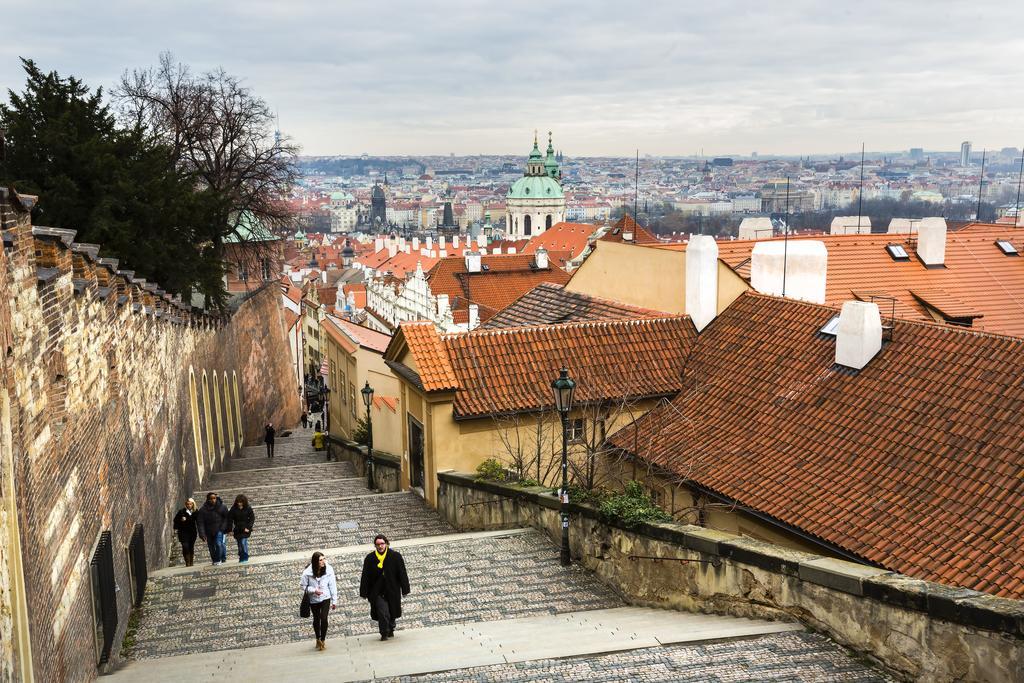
(391, 634)
(383, 637)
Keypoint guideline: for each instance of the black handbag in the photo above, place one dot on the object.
(304, 610)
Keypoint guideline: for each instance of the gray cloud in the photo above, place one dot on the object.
(667, 77)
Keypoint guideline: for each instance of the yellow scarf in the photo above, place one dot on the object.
(380, 558)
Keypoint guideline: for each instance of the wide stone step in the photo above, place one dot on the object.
(310, 457)
(276, 494)
(285, 474)
(483, 650)
(326, 523)
(484, 578)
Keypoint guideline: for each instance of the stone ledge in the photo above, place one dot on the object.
(382, 458)
(838, 574)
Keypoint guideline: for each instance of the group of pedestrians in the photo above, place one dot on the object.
(211, 523)
(383, 583)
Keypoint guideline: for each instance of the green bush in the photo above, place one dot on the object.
(361, 434)
(490, 470)
(527, 482)
(632, 507)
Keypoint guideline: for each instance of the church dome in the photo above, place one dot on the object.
(535, 187)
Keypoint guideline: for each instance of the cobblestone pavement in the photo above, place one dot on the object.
(251, 605)
(279, 460)
(792, 656)
(273, 494)
(316, 525)
(281, 475)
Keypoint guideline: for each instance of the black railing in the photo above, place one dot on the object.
(714, 562)
(137, 558)
(105, 595)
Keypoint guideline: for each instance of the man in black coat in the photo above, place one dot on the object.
(383, 583)
(211, 524)
(268, 438)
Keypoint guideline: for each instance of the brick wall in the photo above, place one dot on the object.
(99, 373)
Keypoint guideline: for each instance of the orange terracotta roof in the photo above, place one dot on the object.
(912, 463)
(979, 281)
(432, 363)
(548, 303)
(499, 371)
(627, 224)
(568, 237)
(389, 402)
(290, 318)
(359, 294)
(370, 339)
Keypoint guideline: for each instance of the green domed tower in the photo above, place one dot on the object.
(535, 202)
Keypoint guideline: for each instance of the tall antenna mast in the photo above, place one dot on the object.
(981, 181)
(636, 187)
(860, 192)
(785, 240)
(1016, 211)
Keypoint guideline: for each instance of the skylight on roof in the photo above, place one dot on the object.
(831, 327)
(1007, 248)
(897, 252)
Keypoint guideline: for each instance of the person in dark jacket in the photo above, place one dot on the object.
(305, 419)
(242, 518)
(211, 524)
(268, 438)
(185, 526)
(383, 583)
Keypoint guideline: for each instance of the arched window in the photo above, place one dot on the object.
(547, 222)
(527, 220)
(197, 434)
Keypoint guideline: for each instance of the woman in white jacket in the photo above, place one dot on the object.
(318, 582)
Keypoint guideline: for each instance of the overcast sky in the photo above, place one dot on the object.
(477, 76)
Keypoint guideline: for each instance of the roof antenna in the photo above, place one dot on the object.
(981, 181)
(785, 240)
(860, 192)
(636, 188)
(1016, 211)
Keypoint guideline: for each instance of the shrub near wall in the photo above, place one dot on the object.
(917, 629)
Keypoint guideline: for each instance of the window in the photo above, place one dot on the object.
(897, 252)
(1007, 248)
(575, 430)
(266, 269)
(352, 398)
(104, 597)
(831, 327)
(243, 272)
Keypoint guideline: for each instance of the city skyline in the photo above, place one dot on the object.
(669, 80)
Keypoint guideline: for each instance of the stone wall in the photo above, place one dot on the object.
(107, 431)
(915, 629)
(387, 468)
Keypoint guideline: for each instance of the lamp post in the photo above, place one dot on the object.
(563, 388)
(367, 392)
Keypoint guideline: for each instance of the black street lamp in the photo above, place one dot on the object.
(563, 388)
(367, 393)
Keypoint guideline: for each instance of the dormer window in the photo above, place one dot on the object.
(1007, 248)
(831, 327)
(897, 252)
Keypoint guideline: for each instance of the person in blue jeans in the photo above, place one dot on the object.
(212, 520)
(242, 518)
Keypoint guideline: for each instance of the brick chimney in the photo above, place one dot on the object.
(473, 261)
(805, 262)
(931, 242)
(540, 258)
(859, 335)
(702, 280)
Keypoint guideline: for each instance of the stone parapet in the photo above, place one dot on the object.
(387, 467)
(915, 629)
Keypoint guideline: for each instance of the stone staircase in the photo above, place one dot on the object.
(484, 606)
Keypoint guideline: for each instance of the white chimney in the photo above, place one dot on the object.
(455, 242)
(401, 243)
(416, 243)
(511, 250)
(931, 241)
(496, 250)
(473, 260)
(323, 276)
(392, 250)
(806, 263)
(430, 242)
(440, 242)
(850, 225)
(474, 316)
(702, 280)
(901, 226)
(627, 236)
(378, 244)
(442, 305)
(406, 248)
(481, 241)
(443, 253)
(541, 258)
(859, 335)
(756, 227)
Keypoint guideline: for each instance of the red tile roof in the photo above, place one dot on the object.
(567, 237)
(979, 281)
(548, 303)
(509, 370)
(364, 336)
(627, 224)
(913, 463)
(359, 294)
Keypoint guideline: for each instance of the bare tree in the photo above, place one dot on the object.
(223, 138)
